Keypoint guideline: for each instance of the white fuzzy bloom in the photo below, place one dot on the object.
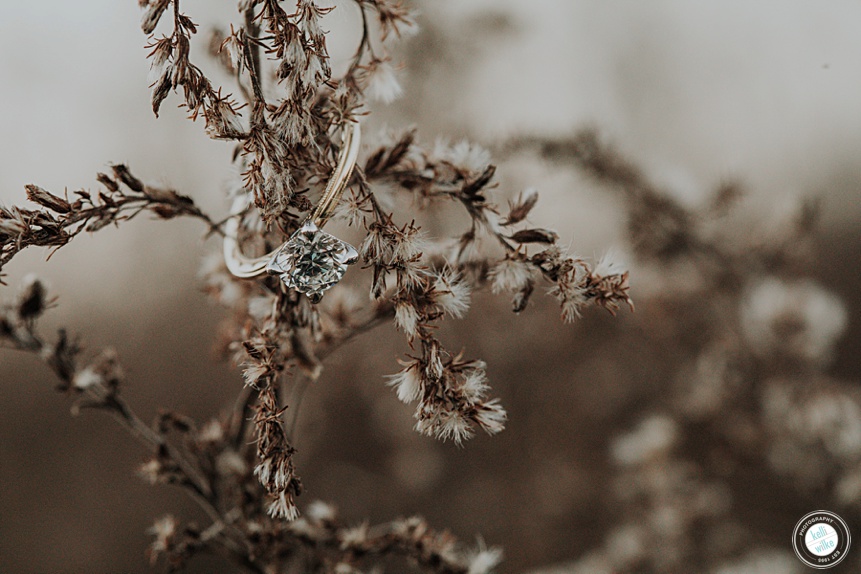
(611, 263)
(572, 299)
(376, 246)
(485, 560)
(510, 275)
(653, 437)
(222, 121)
(465, 155)
(310, 22)
(282, 477)
(474, 385)
(159, 67)
(12, 227)
(302, 527)
(150, 471)
(320, 511)
(163, 529)
(800, 318)
(451, 294)
(411, 274)
(408, 244)
(275, 472)
(313, 72)
(261, 306)
(407, 383)
(282, 507)
(233, 46)
(214, 273)
(231, 293)
(383, 85)
(354, 537)
(350, 210)
(491, 417)
(407, 318)
(211, 432)
(229, 462)
(263, 470)
(295, 53)
(454, 426)
(253, 373)
(87, 378)
(837, 419)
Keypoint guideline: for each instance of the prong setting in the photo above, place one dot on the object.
(312, 261)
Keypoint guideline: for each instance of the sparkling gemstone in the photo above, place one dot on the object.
(312, 261)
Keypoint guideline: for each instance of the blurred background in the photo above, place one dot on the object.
(768, 93)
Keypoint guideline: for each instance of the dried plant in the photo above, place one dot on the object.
(748, 406)
(282, 121)
(745, 404)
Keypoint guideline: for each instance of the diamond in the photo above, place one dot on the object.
(312, 261)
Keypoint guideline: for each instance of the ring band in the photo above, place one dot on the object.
(311, 260)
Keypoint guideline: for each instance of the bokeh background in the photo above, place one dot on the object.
(696, 92)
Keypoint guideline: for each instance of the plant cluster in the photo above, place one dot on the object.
(282, 118)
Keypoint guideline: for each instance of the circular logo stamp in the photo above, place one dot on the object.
(821, 539)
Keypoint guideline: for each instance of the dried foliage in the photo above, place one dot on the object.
(747, 398)
(749, 405)
(283, 121)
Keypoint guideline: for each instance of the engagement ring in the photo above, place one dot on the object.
(311, 260)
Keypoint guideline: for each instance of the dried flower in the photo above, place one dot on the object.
(383, 84)
(407, 382)
(451, 293)
(798, 318)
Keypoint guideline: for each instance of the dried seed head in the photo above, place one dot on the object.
(152, 14)
(222, 121)
(319, 511)
(407, 318)
(11, 227)
(164, 531)
(451, 293)
(383, 84)
(47, 199)
(408, 382)
(520, 208)
(491, 417)
(282, 507)
(151, 471)
(484, 560)
(511, 275)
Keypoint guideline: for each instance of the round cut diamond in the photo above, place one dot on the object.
(312, 261)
